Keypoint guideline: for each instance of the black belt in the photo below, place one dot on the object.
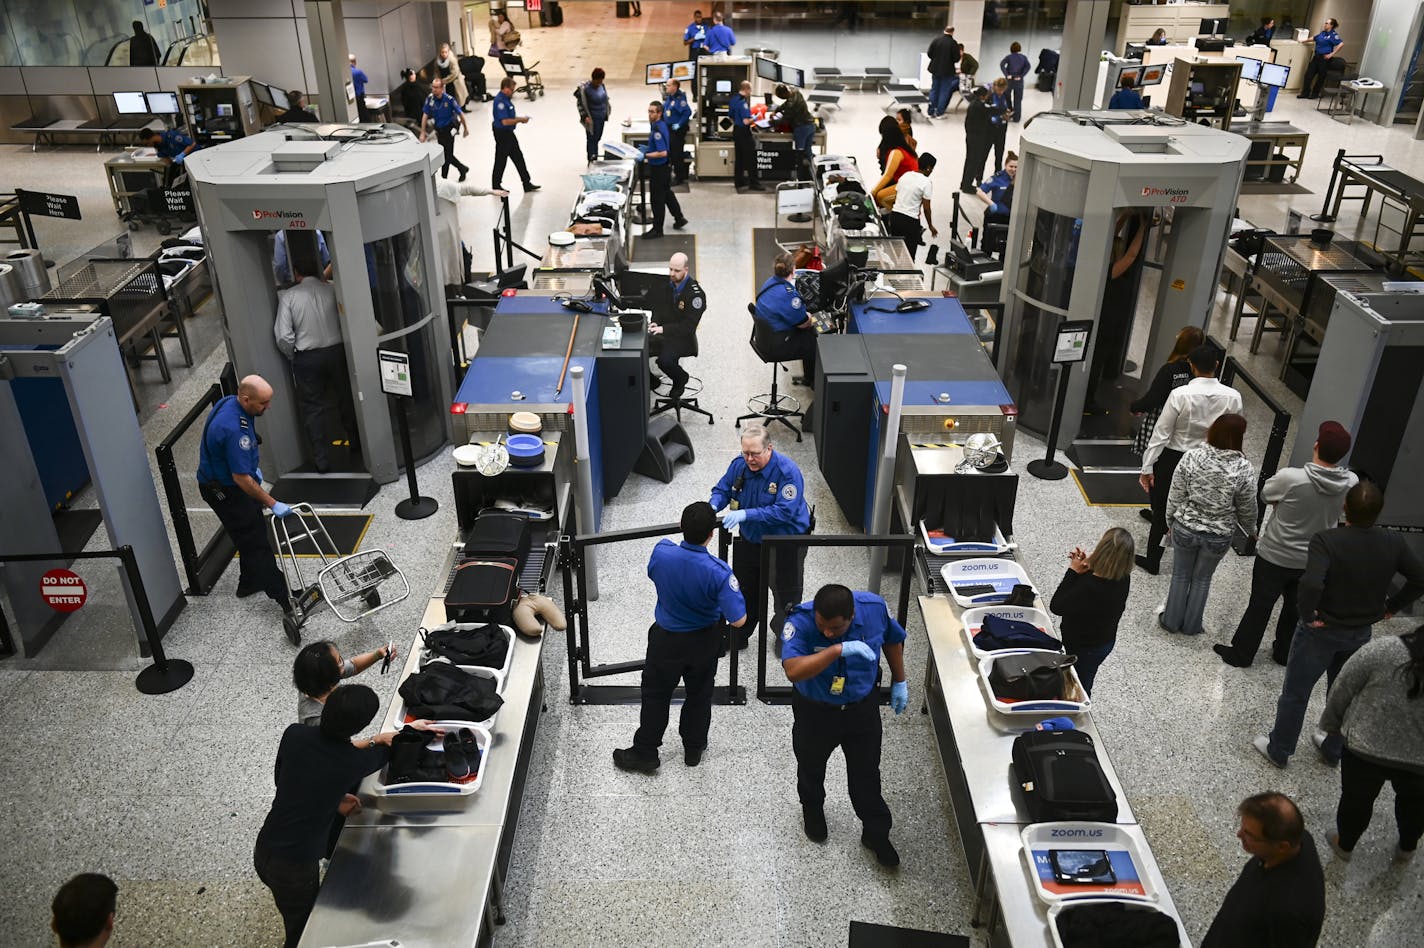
(837, 707)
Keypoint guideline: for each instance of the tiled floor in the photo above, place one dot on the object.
(166, 793)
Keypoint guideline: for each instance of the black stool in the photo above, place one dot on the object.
(772, 407)
(687, 401)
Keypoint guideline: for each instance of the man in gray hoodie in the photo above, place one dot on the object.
(1304, 501)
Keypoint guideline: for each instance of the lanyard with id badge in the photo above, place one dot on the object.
(838, 681)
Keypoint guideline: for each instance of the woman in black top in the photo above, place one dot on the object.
(1091, 600)
(316, 767)
(1175, 373)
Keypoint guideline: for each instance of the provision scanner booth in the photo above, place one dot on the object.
(369, 200)
(1087, 196)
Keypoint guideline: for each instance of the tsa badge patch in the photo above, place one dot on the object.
(697, 302)
(795, 302)
(736, 586)
(788, 632)
(789, 492)
(245, 442)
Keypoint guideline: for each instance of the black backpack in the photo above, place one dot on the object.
(486, 646)
(1061, 777)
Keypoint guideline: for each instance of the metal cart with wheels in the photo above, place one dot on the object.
(352, 584)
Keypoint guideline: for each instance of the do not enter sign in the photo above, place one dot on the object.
(63, 590)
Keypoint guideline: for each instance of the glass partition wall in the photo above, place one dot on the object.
(101, 33)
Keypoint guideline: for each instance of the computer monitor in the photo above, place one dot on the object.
(793, 77)
(1135, 51)
(1274, 74)
(263, 94)
(768, 69)
(684, 70)
(1152, 75)
(1211, 27)
(723, 87)
(1250, 68)
(278, 96)
(657, 73)
(130, 103)
(162, 103)
(1133, 74)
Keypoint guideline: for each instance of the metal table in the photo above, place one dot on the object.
(1280, 135)
(430, 872)
(1396, 189)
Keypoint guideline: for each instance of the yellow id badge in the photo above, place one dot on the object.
(837, 684)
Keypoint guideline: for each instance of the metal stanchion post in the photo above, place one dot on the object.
(885, 475)
(584, 475)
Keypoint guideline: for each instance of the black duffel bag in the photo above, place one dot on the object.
(443, 692)
(1031, 676)
(486, 646)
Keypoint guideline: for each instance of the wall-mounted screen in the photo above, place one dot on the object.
(130, 103)
(162, 103)
(1274, 74)
(657, 73)
(768, 69)
(793, 76)
(1250, 68)
(684, 71)
(1152, 75)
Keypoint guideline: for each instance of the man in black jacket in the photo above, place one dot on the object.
(1343, 592)
(944, 53)
(978, 136)
(673, 333)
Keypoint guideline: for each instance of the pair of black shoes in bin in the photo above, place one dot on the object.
(462, 754)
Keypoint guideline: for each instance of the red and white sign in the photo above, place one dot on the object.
(63, 590)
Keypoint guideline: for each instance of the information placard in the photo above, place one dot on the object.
(49, 205)
(395, 372)
(1072, 342)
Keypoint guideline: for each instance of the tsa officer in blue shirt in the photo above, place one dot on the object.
(831, 655)
(720, 38)
(782, 309)
(172, 145)
(744, 167)
(231, 482)
(697, 594)
(358, 85)
(1327, 45)
(764, 495)
(656, 156)
(506, 146)
(695, 36)
(443, 111)
(677, 113)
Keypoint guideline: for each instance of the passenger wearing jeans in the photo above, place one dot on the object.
(1304, 500)
(944, 53)
(1344, 591)
(1181, 426)
(1213, 492)
(1377, 708)
(1091, 599)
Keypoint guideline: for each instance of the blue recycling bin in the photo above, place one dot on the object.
(1271, 97)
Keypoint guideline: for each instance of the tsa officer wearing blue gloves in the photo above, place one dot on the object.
(764, 495)
(695, 36)
(784, 312)
(1327, 45)
(231, 483)
(831, 655)
(744, 166)
(677, 113)
(172, 145)
(660, 173)
(697, 594)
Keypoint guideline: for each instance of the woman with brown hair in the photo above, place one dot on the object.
(897, 157)
(1091, 599)
(1175, 373)
(1213, 492)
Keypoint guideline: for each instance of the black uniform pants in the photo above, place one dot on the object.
(798, 344)
(976, 151)
(1269, 582)
(908, 229)
(787, 581)
(324, 390)
(1162, 470)
(1314, 76)
(660, 181)
(242, 518)
(817, 730)
(294, 888)
(506, 149)
(689, 657)
(677, 154)
(744, 167)
(667, 356)
(446, 137)
(1000, 137)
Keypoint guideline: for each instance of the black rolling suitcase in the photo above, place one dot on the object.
(1061, 778)
(496, 533)
(483, 590)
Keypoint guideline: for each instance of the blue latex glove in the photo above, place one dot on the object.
(642, 152)
(899, 696)
(280, 509)
(733, 517)
(855, 649)
(1056, 724)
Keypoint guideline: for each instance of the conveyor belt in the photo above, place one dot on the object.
(533, 575)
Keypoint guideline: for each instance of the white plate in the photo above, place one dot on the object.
(467, 455)
(561, 238)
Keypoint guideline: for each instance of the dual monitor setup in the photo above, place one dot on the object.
(658, 73)
(146, 103)
(1264, 73)
(1145, 75)
(773, 71)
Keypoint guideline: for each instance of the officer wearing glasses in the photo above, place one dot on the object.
(763, 495)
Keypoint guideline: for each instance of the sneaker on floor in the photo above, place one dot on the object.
(1333, 838)
(1230, 656)
(692, 757)
(1262, 743)
(244, 591)
(814, 823)
(885, 853)
(626, 758)
(1145, 513)
(530, 186)
(1318, 739)
(679, 224)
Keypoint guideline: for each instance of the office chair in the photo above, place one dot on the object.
(771, 407)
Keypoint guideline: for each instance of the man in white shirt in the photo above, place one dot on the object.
(1189, 412)
(308, 331)
(912, 195)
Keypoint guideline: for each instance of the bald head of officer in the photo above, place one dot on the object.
(255, 394)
